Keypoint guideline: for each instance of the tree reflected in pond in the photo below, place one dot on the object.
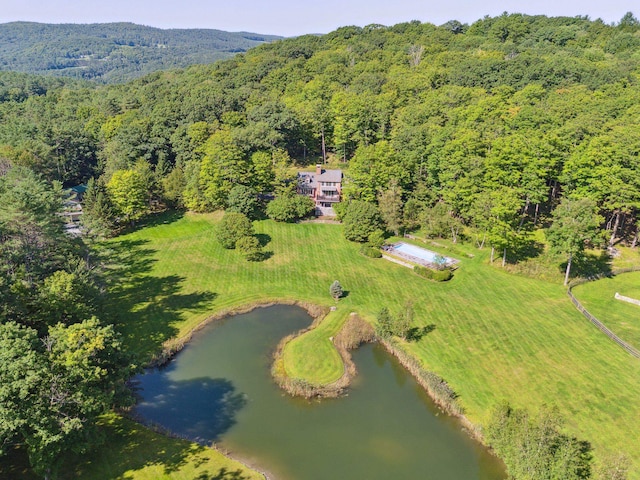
(199, 409)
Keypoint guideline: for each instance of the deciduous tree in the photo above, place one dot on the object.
(574, 223)
(360, 219)
(232, 228)
(53, 389)
(128, 194)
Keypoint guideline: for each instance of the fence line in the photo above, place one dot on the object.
(601, 326)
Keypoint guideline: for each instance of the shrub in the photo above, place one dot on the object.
(243, 199)
(250, 247)
(399, 325)
(361, 219)
(376, 239)
(290, 208)
(371, 252)
(336, 290)
(232, 228)
(535, 446)
(340, 209)
(436, 275)
(384, 327)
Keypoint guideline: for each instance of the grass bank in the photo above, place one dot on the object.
(134, 452)
(599, 298)
(497, 336)
(316, 362)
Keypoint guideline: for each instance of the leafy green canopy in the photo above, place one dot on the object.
(53, 389)
(499, 120)
(60, 368)
(233, 227)
(535, 447)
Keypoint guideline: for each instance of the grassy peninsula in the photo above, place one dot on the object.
(497, 336)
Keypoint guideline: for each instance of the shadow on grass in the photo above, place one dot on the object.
(415, 334)
(264, 256)
(199, 409)
(223, 474)
(263, 238)
(144, 307)
(526, 249)
(153, 220)
(129, 447)
(590, 265)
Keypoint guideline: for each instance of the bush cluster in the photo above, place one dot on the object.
(369, 251)
(436, 275)
(534, 446)
(290, 208)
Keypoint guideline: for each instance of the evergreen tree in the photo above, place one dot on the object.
(98, 217)
(336, 290)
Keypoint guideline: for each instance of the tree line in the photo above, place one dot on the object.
(492, 130)
(61, 366)
(114, 52)
(485, 127)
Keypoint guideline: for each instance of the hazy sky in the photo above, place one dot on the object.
(295, 17)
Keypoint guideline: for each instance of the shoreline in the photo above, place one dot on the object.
(300, 387)
(432, 384)
(173, 346)
(159, 429)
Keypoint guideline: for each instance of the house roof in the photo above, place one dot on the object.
(307, 179)
(311, 179)
(330, 176)
(79, 188)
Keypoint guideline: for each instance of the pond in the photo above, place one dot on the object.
(219, 389)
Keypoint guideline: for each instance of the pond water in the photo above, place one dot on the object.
(219, 389)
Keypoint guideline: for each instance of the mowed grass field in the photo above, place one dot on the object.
(621, 317)
(312, 356)
(497, 336)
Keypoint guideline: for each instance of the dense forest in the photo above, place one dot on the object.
(501, 131)
(487, 127)
(114, 52)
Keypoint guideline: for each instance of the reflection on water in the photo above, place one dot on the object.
(219, 389)
(176, 401)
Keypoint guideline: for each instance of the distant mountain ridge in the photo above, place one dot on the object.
(114, 52)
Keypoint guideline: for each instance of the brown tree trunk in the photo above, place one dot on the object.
(493, 251)
(535, 217)
(324, 147)
(525, 211)
(554, 189)
(504, 257)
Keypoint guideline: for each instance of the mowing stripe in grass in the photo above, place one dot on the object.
(497, 336)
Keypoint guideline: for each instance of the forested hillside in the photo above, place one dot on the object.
(487, 126)
(114, 52)
(516, 133)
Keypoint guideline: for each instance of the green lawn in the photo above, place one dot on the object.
(134, 452)
(497, 335)
(312, 356)
(621, 317)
